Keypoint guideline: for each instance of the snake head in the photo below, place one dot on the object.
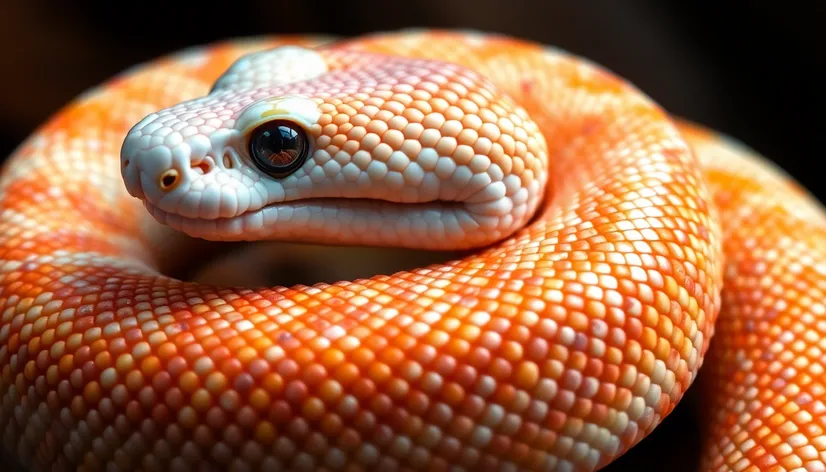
(341, 147)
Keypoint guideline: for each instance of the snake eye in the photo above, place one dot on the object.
(278, 147)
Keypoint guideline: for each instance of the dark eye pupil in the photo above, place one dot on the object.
(280, 145)
(278, 148)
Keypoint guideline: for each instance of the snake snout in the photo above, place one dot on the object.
(130, 172)
(149, 174)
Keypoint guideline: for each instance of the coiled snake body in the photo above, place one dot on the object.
(609, 246)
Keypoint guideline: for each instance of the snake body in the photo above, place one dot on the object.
(609, 245)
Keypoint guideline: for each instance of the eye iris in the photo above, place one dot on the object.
(278, 148)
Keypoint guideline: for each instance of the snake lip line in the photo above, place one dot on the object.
(360, 215)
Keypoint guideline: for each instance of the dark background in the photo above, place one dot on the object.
(754, 70)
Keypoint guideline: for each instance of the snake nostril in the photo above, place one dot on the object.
(227, 161)
(169, 179)
(202, 167)
(126, 163)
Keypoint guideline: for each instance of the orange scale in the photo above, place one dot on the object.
(465, 375)
(231, 340)
(349, 440)
(445, 365)
(188, 382)
(363, 388)
(518, 452)
(387, 330)
(261, 344)
(379, 372)
(313, 374)
(499, 445)
(362, 357)
(460, 427)
(417, 402)
(332, 357)
(33, 344)
(457, 348)
(231, 367)
(504, 394)
(380, 404)
(347, 373)
(453, 394)
(193, 350)
(392, 356)
(103, 358)
(30, 371)
(375, 342)
(578, 361)
(78, 407)
(174, 367)
(167, 351)
(512, 351)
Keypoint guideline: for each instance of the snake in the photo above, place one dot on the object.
(611, 251)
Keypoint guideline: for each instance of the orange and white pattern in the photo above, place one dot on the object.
(615, 252)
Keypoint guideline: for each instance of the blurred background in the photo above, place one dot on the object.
(754, 70)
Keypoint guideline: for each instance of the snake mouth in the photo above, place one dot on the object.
(435, 225)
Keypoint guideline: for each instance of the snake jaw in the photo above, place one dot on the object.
(354, 222)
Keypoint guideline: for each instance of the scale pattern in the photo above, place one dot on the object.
(765, 394)
(558, 348)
